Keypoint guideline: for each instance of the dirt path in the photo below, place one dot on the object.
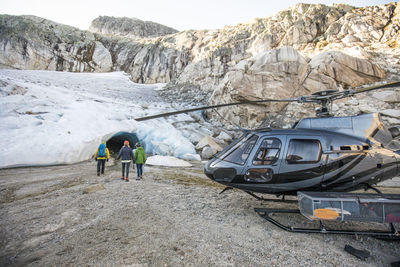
(173, 217)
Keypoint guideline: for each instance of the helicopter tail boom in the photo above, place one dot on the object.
(367, 126)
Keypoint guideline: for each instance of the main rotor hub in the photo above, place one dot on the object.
(325, 93)
(325, 98)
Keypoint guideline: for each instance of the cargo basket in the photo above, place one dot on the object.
(338, 206)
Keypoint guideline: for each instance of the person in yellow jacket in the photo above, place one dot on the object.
(102, 154)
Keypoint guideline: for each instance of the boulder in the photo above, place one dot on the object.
(93, 188)
(339, 68)
(208, 141)
(223, 136)
(207, 152)
(193, 136)
(102, 58)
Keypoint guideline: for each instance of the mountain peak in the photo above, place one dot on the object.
(129, 27)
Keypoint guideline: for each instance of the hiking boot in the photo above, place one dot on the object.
(122, 178)
(98, 174)
(127, 179)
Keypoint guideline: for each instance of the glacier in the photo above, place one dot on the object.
(50, 117)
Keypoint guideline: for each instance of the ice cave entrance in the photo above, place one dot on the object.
(115, 143)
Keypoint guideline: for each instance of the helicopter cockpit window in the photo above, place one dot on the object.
(303, 151)
(268, 152)
(241, 151)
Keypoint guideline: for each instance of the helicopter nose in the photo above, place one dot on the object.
(209, 172)
(225, 175)
(209, 175)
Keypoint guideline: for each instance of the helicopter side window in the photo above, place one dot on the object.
(240, 154)
(268, 152)
(303, 151)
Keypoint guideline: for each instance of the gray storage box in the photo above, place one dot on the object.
(340, 206)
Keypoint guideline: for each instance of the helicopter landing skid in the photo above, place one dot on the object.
(271, 199)
(265, 213)
(368, 186)
(226, 189)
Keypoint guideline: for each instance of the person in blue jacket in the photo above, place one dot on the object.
(101, 156)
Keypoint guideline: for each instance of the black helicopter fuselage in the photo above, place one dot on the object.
(288, 160)
(322, 154)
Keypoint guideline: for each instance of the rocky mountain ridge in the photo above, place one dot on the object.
(298, 51)
(30, 42)
(129, 27)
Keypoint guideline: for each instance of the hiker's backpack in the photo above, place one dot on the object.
(101, 151)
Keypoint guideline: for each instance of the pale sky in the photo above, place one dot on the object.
(178, 14)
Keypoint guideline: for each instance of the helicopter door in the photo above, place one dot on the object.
(304, 162)
(263, 166)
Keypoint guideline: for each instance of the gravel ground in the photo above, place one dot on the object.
(173, 217)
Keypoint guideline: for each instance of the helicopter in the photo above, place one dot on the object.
(318, 159)
(323, 153)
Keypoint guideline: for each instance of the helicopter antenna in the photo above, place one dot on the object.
(237, 125)
(262, 123)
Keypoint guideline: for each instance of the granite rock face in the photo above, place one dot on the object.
(342, 45)
(284, 73)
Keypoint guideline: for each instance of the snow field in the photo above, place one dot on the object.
(49, 117)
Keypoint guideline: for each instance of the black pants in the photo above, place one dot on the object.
(101, 163)
(125, 168)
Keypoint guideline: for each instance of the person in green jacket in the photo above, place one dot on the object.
(140, 159)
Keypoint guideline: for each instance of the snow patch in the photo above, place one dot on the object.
(167, 161)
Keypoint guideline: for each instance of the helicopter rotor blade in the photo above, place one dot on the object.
(214, 106)
(370, 88)
(320, 97)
